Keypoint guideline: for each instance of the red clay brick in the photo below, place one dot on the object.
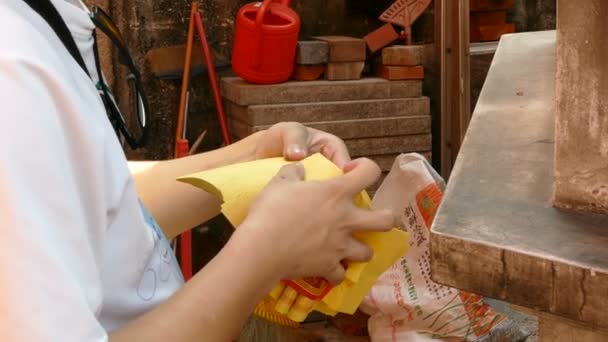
(344, 49)
(307, 72)
(408, 55)
(394, 73)
(381, 37)
(344, 71)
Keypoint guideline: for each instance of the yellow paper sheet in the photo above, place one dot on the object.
(239, 184)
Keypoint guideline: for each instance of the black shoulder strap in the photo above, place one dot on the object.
(48, 12)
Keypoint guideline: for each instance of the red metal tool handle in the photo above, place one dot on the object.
(181, 144)
(198, 20)
(185, 239)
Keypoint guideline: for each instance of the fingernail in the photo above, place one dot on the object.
(295, 149)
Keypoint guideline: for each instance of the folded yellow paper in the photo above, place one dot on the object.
(239, 184)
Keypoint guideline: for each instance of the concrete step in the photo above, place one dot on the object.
(242, 93)
(401, 144)
(328, 111)
(359, 128)
(388, 145)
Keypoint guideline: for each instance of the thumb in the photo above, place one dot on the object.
(295, 141)
(290, 172)
(336, 274)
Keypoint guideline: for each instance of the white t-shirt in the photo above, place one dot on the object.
(78, 255)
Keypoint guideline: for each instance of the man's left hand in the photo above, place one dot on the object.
(295, 141)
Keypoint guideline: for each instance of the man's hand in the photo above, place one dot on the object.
(295, 141)
(178, 207)
(306, 228)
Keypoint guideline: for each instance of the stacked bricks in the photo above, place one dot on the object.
(311, 60)
(337, 57)
(401, 62)
(378, 119)
(488, 19)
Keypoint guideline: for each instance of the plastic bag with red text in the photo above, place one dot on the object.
(405, 304)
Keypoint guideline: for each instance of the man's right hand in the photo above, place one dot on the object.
(306, 228)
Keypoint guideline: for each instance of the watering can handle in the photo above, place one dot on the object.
(259, 19)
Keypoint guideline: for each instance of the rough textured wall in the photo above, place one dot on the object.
(581, 131)
(533, 15)
(148, 24)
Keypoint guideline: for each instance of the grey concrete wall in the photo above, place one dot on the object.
(581, 131)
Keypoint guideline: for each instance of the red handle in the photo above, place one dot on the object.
(259, 19)
(182, 149)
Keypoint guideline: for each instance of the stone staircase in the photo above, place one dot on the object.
(376, 118)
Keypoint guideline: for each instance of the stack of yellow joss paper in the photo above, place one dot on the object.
(239, 184)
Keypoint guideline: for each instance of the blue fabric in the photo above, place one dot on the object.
(161, 237)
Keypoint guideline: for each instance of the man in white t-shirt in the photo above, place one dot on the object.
(81, 258)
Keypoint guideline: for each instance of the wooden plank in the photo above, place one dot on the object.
(455, 92)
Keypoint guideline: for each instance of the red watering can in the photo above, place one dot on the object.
(265, 40)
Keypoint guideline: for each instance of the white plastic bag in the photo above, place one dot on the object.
(405, 304)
